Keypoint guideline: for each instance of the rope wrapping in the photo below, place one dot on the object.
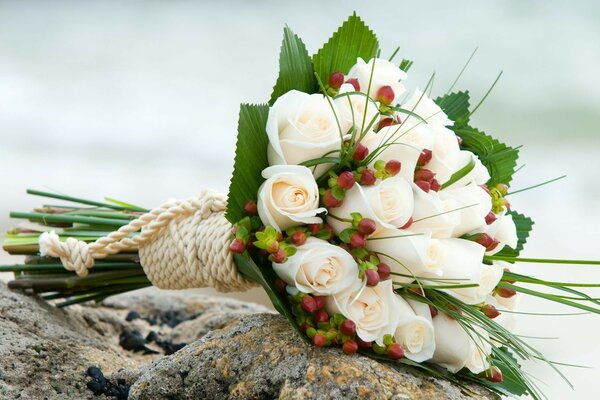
(182, 244)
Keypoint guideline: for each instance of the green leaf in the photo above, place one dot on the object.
(524, 225)
(461, 173)
(295, 67)
(250, 159)
(499, 159)
(352, 40)
(456, 107)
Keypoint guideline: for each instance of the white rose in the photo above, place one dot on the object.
(288, 197)
(415, 330)
(487, 279)
(456, 349)
(302, 127)
(478, 204)
(383, 73)
(389, 204)
(432, 214)
(503, 230)
(373, 311)
(507, 303)
(420, 104)
(402, 142)
(351, 111)
(319, 267)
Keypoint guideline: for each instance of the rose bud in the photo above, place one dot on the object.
(367, 226)
(354, 82)
(237, 246)
(350, 347)
(424, 157)
(395, 351)
(435, 185)
(493, 375)
(250, 208)
(392, 167)
(490, 218)
(330, 201)
(385, 122)
(280, 285)
(320, 301)
(357, 240)
(346, 180)
(384, 271)
(372, 277)
(505, 292)
(490, 311)
(348, 327)
(424, 186)
(407, 224)
(368, 177)
(362, 344)
(319, 340)
(336, 80)
(308, 304)
(385, 95)
(321, 316)
(278, 257)
(423, 174)
(298, 238)
(361, 152)
(433, 311)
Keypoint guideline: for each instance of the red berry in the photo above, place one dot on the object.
(392, 167)
(321, 316)
(319, 340)
(367, 226)
(308, 304)
(395, 351)
(425, 186)
(272, 246)
(423, 174)
(237, 246)
(505, 292)
(298, 238)
(250, 208)
(385, 95)
(348, 327)
(385, 122)
(350, 347)
(435, 185)
(320, 301)
(490, 218)
(346, 180)
(384, 271)
(424, 157)
(278, 257)
(368, 177)
(357, 240)
(330, 201)
(362, 344)
(372, 277)
(494, 374)
(361, 152)
(490, 311)
(486, 241)
(314, 228)
(336, 80)
(354, 82)
(280, 285)
(433, 311)
(407, 224)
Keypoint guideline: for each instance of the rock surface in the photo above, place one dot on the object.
(237, 351)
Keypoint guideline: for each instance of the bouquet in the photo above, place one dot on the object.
(376, 220)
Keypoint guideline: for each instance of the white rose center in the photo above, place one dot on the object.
(390, 206)
(289, 197)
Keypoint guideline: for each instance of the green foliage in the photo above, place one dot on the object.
(295, 67)
(250, 159)
(456, 107)
(352, 40)
(524, 225)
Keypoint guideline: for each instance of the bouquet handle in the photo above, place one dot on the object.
(182, 244)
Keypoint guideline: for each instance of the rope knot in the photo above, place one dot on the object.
(74, 254)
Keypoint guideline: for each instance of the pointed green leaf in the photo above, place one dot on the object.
(499, 158)
(524, 225)
(250, 159)
(352, 40)
(456, 107)
(295, 67)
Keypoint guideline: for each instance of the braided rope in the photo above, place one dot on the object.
(182, 244)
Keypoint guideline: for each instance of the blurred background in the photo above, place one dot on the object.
(138, 101)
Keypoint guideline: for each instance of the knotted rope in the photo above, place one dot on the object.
(182, 244)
